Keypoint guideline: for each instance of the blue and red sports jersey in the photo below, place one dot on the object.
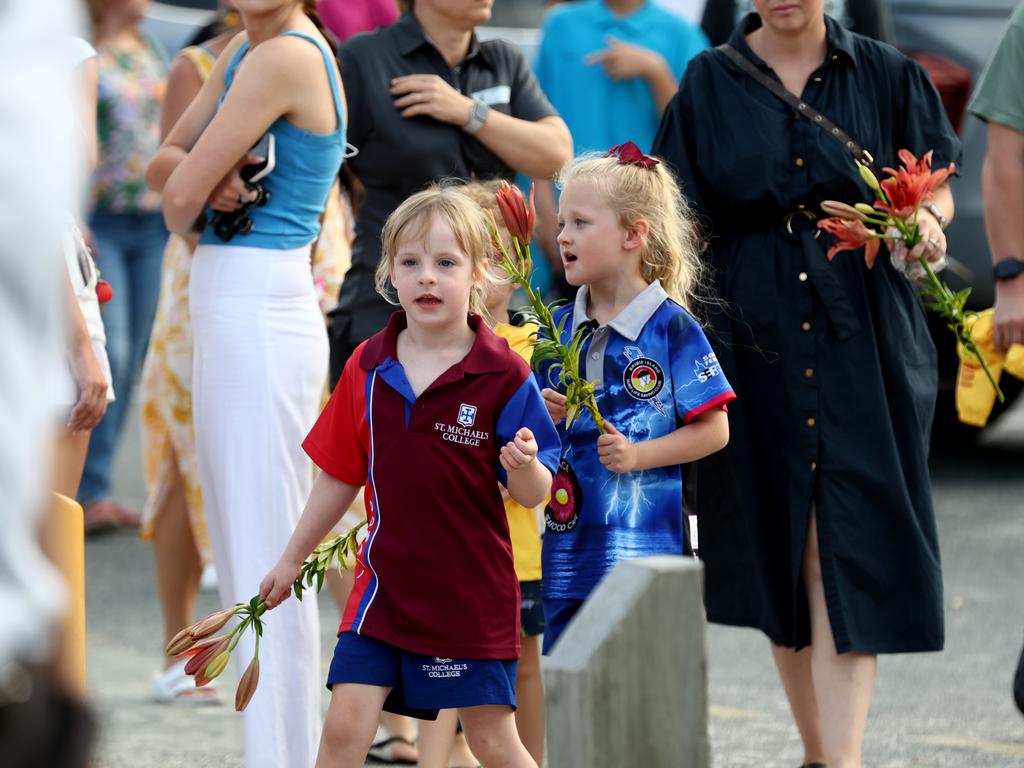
(655, 372)
(435, 574)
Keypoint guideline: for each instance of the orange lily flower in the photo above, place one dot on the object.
(849, 236)
(912, 184)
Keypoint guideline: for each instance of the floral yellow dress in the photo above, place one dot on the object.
(168, 440)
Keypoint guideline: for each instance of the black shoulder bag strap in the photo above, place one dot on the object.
(800, 107)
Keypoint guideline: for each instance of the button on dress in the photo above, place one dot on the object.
(832, 363)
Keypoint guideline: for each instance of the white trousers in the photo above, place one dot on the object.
(259, 370)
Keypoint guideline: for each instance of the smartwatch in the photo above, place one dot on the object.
(478, 115)
(1007, 269)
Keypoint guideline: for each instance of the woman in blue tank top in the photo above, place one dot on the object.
(260, 359)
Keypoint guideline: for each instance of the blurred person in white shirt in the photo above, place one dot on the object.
(38, 178)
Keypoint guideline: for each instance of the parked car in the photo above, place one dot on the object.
(174, 22)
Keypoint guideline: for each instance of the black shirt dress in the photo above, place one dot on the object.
(832, 363)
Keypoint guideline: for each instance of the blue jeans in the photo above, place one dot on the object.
(130, 250)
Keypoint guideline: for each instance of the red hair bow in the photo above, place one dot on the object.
(630, 154)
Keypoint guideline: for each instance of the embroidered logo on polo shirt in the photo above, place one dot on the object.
(643, 378)
(461, 432)
(467, 415)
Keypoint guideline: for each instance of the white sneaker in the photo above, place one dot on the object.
(208, 581)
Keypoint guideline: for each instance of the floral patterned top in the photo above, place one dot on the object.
(130, 97)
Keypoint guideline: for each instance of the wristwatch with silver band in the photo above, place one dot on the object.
(1007, 269)
(478, 115)
(935, 211)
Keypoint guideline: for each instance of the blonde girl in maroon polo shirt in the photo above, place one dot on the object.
(430, 415)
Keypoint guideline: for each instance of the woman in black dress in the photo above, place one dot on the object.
(817, 524)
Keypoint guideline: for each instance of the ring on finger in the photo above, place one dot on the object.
(934, 243)
(241, 200)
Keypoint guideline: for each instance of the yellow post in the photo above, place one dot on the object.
(64, 543)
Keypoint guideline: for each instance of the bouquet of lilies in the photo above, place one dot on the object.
(893, 216)
(519, 219)
(207, 655)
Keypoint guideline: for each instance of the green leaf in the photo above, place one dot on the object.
(570, 414)
(320, 580)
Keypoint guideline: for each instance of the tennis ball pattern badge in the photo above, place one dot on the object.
(563, 509)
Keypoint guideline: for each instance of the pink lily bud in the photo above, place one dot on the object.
(211, 623)
(247, 685)
(215, 667)
(200, 661)
(180, 643)
(842, 211)
(519, 219)
(199, 647)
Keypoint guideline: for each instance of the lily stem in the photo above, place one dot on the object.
(956, 323)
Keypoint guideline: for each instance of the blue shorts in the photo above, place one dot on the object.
(557, 615)
(531, 611)
(421, 685)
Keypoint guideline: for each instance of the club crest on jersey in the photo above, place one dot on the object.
(643, 378)
(467, 415)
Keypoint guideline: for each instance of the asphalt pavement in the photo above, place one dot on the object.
(937, 710)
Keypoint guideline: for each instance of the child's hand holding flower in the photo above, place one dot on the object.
(616, 452)
(518, 452)
(276, 586)
(556, 404)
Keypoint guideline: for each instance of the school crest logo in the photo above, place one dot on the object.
(643, 378)
(467, 415)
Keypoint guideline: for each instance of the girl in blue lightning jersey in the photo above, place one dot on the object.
(627, 239)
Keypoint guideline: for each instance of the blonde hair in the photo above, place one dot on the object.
(671, 251)
(412, 219)
(483, 194)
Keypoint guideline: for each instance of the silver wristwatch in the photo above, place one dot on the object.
(478, 115)
(935, 211)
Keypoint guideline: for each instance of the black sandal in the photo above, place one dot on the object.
(385, 744)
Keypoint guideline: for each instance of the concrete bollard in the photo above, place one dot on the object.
(626, 686)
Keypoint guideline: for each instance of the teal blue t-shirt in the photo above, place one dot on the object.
(600, 111)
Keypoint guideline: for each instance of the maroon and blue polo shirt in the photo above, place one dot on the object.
(435, 574)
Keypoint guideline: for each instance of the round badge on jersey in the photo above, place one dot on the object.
(563, 509)
(643, 378)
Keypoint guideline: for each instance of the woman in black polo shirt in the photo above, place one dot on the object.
(428, 101)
